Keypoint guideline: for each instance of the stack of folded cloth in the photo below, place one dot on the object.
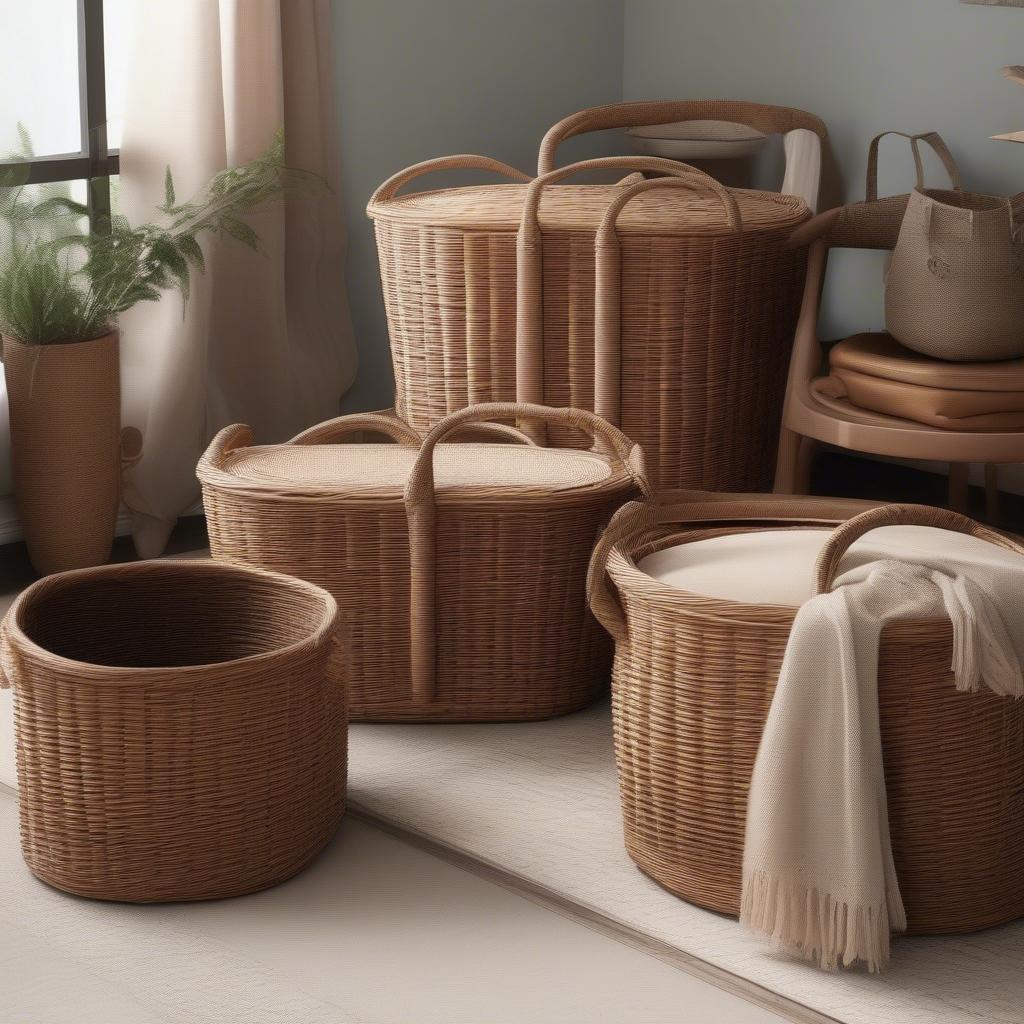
(874, 372)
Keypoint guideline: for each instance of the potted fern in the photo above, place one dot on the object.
(62, 288)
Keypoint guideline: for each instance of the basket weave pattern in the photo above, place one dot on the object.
(692, 686)
(706, 316)
(498, 575)
(179, 736)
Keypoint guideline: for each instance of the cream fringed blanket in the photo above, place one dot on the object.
(818, 875)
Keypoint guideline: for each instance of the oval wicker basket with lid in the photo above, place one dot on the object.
(459, 568)
(701, 288)
(701, 622)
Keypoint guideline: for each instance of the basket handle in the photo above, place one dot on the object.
(461, 161)
(421, 509)
(238, 435)
(491, 432)
(897, 515)
(635, 519)
(530, 267)
(334, 430)
(397, 429)
(608, 285)
(933, 139)
(767, 118)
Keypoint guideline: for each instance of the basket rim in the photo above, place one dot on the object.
(464, 495)
(91, 672)
(628, 576)
(405, 209)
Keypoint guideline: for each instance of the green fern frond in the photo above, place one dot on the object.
(60, 284)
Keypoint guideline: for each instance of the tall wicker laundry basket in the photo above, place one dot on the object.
(702, 289)
(460, 568)
(693, 681)
(180, 733)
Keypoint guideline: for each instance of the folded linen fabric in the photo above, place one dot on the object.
(818, 872)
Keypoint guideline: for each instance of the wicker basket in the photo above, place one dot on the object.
(692, 684)
(467, 604)
(699, 301)
(178, 734)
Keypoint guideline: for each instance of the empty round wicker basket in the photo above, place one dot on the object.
(179, 736)
(460, 568)
(695, 304)
(693, 681)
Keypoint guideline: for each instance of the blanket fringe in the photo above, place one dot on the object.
(814, 924)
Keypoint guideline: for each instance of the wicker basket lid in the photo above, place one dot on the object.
(383, 469)
(581, 207)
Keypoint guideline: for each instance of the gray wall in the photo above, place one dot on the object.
(864, 66)
(425, 78)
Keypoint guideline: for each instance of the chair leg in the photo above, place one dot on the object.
(991, 492)
(958, 483)
(787, 466)
(808, 450)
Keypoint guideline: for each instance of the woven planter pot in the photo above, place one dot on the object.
(693, 681)
(179, 735)
(490, 296)
(459, 567)
(65, 409)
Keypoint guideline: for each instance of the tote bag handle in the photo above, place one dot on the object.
(932, 139)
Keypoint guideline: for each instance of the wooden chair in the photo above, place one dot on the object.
(811, 419)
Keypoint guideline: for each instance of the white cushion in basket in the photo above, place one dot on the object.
(777, 566)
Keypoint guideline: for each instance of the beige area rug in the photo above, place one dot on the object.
(536, 806)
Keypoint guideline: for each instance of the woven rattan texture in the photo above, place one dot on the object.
(692, 686)
(512, 635)
(179, 735)
(706, 326)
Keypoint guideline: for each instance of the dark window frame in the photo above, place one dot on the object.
(94, 162)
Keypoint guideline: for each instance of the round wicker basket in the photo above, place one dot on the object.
(490, 296)
(179, 736)
(460, 567)
(692, 684)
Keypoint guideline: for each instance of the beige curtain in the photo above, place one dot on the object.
(265, 338)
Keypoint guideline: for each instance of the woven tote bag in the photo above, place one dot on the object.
(693, 681)
(700, 301)
(180, 730)
(875, 222)
(955, 286)
(459, 568)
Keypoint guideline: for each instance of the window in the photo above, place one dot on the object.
(54, 88)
